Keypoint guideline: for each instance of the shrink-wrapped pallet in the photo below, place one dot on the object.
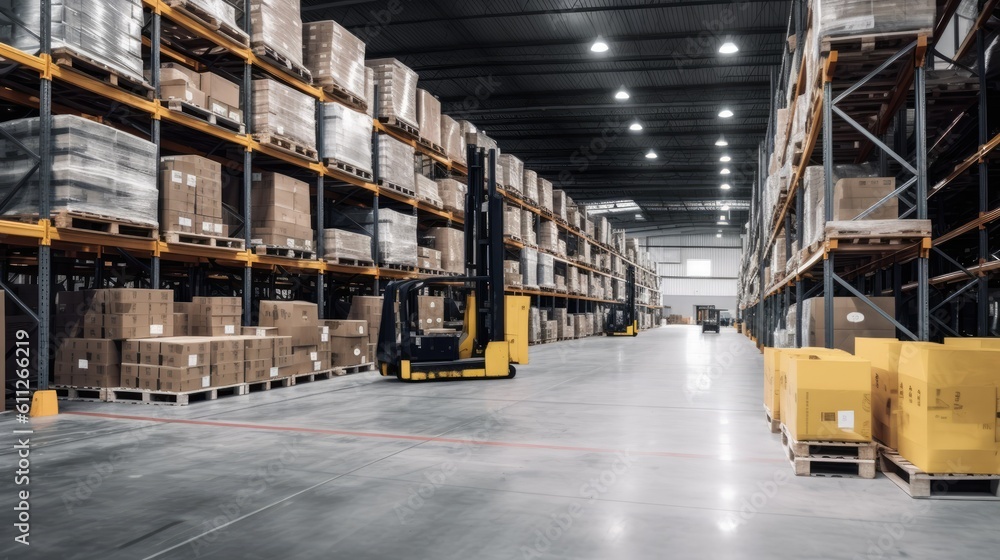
(334, 56)
(397, 232)
(347, 136)
(511, 173)
(546, 271)
(560, 204)
(285, 112)
(278, 25)
(109, 32)
(427, 190)
(478, 138)
(866, 17)
(395, 162)
(452, 195)
(95, 169)
(512, 221)
(452, 139)
(530, 185)
(429, 116)
(342, 244)
(528, 227)
(534, 325)
(397, 90)
(545, 194)
(548, 236)
(370, 91)
(529, 268)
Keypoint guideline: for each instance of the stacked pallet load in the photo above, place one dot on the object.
(428, 259)
(336, 59)
(98, 172)
(512, 221)
(397, 235)
(530, 183)
(347, 248)
(528, 235)
(282, 215)
(395, 165)
(348, 344)
(213, 316)
(300, 321)
(452, 139)
(429, 119)
(276, 34)
(284, 118)
(511, 174)
(186, 91)
(427, 190)
(191, 200)
(545, 196)
(368, 309)
(529, 268)
(512, 274)
(453, 195)
(546, 272)
(396, 87)
(347, 145)
(560, 204)
(451, 243)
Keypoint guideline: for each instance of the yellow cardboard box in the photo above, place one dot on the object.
(883, 353)
(949, 408)
(974, 343)
(772, 381)
(779, 356)
(829, 397)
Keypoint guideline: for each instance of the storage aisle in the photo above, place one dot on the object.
(605, 448)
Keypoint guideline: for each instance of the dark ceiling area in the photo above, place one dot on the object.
(524, 72)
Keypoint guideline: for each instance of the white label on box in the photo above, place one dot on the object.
(206, 226)
(314, 356)
(281, 129)
(326, 330)
(83, 364)
(261, 332)
(855, 317)
(235, 115)
(317, 366)
(433, 304)
(324, 338)
(230, 329)
(219, 109)
(357, 351)
(206, 381)
(192, 360)
(274, 372)
(429, 321)
(177, 177)
(256, 176)
(438, 319)
(290, 242)
(845, 419)
(155, 329)
(192, 181)
(217, 228)
(182, 221)
(188, 96)
(361, 329)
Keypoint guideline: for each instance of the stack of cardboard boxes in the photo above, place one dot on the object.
(428, 258)
(368, 309)
(451, 243)
(170, 364)
(206, 90)
(300, 321)
(88, 362)
(115, 314)
(192, 196)
(281, 211)
(452, 195)
(215, 316)
(334, 56)
(348, 343)
(281, 111)
(852, 319)
(346, 245)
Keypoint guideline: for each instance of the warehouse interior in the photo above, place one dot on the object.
(374, 278)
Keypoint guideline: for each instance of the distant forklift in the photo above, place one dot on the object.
(711, 321)
(494, 331)
(622, 320)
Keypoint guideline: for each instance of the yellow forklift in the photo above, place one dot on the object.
(494, 326)
(623, 319)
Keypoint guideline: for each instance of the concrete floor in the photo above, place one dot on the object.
(653, 447)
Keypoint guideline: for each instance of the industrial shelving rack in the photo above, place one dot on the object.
(881, 86)
(97, 259)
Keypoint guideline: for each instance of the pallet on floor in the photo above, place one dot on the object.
(286, 252)
(918, 484)
(772, 423)
(68, 58)
(202, 114)
(184, 238)
(344, 261)
(350, 370)
(287, 146)
(268, 384)
(336, 90)
(291, 67)
(401, 126)
(100, 223)
(348, 169)
(209, 20)
(829, 458)
(147, 396)
(87, 394)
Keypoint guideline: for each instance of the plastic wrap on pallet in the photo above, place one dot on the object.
(334, 56)
(452, 139)
(397, 232)
(395, 162)
(545, 194)
(452, 194)
(546, 271)
(397, 90)
(865, 17)
(528, 227)
(107, 31)
(427, 189)
(429, 116)
(511, 173)
(548, 236)
(530, 183)
(814, 221)
(285, 112)
(222, 10)
(347, 136)
(478, 138)
(347, 245)
(95, 169)
(560, 203)
(534, 325)
(278, 25)
(529, 268)
(451, 243)
(511, 221)
(370, 91)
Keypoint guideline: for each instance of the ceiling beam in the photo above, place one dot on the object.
(734, 88)
(762, 65)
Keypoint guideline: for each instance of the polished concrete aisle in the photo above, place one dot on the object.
(652, 447)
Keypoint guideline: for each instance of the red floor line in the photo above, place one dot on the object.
(379, 435)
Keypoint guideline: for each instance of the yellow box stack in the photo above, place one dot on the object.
(828, 396)
(883, 353)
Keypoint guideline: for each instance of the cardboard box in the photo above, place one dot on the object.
(349, 351)
(949, 407)
(220, 89)
(184, 91)
(297, 319)
(430, 312)
(883, 353)
(973, 343)
(852, 318)
(829, 397)
(368, 309)
(777, 359)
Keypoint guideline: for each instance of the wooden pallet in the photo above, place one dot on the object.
(146, 396)
(268, 384)
(336, 90)
(68, 58)
(202, 114)
(876, 231)
(203, 240)
(829, 458)
(343, 261)
(401, 126)
(350, 370)
(382, 183)
(433, 203)
(516, 238)
(861, 44)
(87, 394)
(402, 267)
(436, 148)
(918, 484)
(209, 20)
(288, 146)
(287, 252)
(347, 168)
(312, 376)
(281, 61)
(772, 423)
(86, 221)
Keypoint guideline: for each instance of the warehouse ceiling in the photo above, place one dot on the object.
(525, 72)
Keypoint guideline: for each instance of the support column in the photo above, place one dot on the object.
(920, 126)
(983, 299)
(44, 203)
(828, 268)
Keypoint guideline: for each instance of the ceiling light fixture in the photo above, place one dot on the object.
(721, 142)
(599, 45)
(718, 235)
(726, 186)
(651, 155)
(635, 127)
(725, 208)
(725, 159)
(722, 218)
(726, 171)
(723, 223)
(726, 114)
(729, 47)
(622, 95)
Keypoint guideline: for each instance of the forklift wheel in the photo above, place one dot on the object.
(512, 372)
(635, 334)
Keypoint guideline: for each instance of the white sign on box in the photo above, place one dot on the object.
(230, 329)
(177, 177)
(155, 329)
(261, 332)
(192, 360)
(206, 381)
(274, 372)
(192, 181)
(83, 364)
(324, 337)
(317, 366)
(855, 317)
(314, 356)
(845, 419)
